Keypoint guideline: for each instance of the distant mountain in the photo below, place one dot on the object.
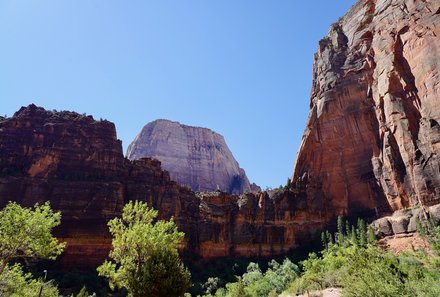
(195, 157)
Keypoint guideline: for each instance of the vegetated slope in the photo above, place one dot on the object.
(194, 156)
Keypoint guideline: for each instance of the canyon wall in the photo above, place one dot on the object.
(371, 146)
(77, 164)
(194, 156)
(372, 141)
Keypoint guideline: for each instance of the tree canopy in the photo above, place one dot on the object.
(145, 258)
(26, 233)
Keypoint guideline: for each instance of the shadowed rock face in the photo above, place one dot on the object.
(371, 144)
(77, 164)
(196, 157)
(372, 140)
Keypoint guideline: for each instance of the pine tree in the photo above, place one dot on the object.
(324, 240)
(329, 239)
(371, 237)
(362, 232)
(340, 234)
(353, 236)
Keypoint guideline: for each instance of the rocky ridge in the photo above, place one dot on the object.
(194, 156)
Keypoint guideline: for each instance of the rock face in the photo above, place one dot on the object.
(372, 145)
(372, 140)
(196, 157)
(77, 164)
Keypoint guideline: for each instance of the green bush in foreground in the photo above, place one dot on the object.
(350, 260)
(26, 233)
(355, 264)
(255, 283)
(145, 258)
(15, 283)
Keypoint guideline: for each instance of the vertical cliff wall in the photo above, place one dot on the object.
(372, 140)
(77, 164)
(371, 145)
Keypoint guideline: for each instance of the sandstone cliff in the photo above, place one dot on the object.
(372, 140)
(196, 157)
(371, 145)
(77, 164)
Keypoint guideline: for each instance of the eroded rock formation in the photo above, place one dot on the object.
(194, 156)
(77, 164)
(371, 145)
(372, 140)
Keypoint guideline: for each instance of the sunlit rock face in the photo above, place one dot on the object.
(77, 164)
(371, 145)
(195, 157)
(372, 140)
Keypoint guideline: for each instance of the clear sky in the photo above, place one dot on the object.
(242, 68)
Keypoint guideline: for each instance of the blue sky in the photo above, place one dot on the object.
(242, 68)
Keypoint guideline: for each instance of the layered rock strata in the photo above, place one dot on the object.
(372, 141)
(371, 146)
(77, 164)
(195, 157)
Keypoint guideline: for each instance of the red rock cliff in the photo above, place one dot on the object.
(372, 140)
(77, 164)
(371, 144)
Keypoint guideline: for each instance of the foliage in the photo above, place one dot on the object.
(256, 283)
(353, 262)
(145, 257)
(350, 260)
(83, 292)
(25, 233)
(15, 283)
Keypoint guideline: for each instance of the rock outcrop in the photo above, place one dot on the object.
(372, 141)
(77, 164)
(195, 157)
(372, 145)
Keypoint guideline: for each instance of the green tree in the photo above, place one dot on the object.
(340, 233)
(15, 283)
(362, 232)
(236, 289)
(145, 257)
(26, 233)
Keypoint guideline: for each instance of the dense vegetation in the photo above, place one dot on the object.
(145, 261)
(350, 260)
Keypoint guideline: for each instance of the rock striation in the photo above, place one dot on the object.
(371, 146)
(77, 164)
(372, 141)
(194, 156)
